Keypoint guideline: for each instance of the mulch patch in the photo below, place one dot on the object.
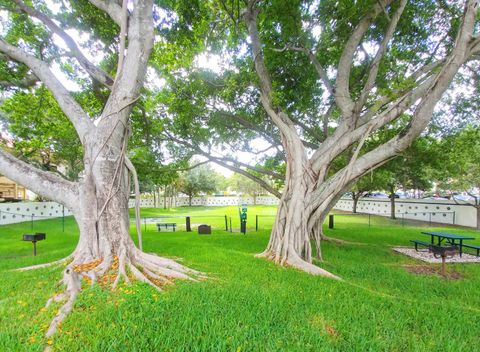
(430, 270)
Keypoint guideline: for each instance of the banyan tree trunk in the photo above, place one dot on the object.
(296, 226)
(106, 252)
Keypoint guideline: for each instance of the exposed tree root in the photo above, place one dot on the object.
(46, 265)
(148, 268)
(299, 264)
(339, 241)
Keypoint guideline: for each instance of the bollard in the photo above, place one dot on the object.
(256, 223)
(243, 227)
(230, 224)
(330, 221)
(226, 223)
(187, 224)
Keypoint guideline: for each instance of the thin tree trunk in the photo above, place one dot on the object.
(477, 207)
(392, 202)
(165, 198)
(356, 197)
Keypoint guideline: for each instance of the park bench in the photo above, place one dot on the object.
(477, 248)
(422, 243)
(166, 225)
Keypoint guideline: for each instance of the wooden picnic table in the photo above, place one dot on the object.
(449, 237)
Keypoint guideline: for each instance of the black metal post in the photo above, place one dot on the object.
(243, 227)
(256, 223)
(453, 218)
(226, 223)
(369, 220)
(330, 221)
(230, 224)
(34, 248)
(187, 224)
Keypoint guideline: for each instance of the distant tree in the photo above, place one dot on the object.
(375, 180)
(247, 186)
(413, 169)
(201, 179)
(461, 171)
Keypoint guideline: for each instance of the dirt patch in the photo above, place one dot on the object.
(430, 270)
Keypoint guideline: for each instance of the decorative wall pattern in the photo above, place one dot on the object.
(11, 213)
(206, 201)
(438, 211)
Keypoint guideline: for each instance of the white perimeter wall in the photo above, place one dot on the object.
(439, 211)
(206, 201)
(11, 213)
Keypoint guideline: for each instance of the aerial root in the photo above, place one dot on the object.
(148, 268)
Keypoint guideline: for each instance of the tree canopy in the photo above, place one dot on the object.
(304, 95)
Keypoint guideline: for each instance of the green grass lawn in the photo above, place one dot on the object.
(247, 304)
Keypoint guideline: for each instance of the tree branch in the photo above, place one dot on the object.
(140, 43)
(111, 7)
(342, 92)
(318, 66)
(424, 110)
(225, 164)
(70, 107)
(41, 182)
(26, 82)
(95, 72)
(278, 117)
(373, 70)
(256, 179)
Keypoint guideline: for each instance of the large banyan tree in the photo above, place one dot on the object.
(36, 44)
(316, 81)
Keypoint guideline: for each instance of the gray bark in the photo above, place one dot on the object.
(99, 200)
(310, 192)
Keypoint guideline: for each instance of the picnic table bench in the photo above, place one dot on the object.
(166, 225)
(452, 239)
(477, 248)
(421, 243)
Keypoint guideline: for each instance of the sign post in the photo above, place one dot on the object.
(243, 218)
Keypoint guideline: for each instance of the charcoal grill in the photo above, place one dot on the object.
(443, 252)
(34, 238)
